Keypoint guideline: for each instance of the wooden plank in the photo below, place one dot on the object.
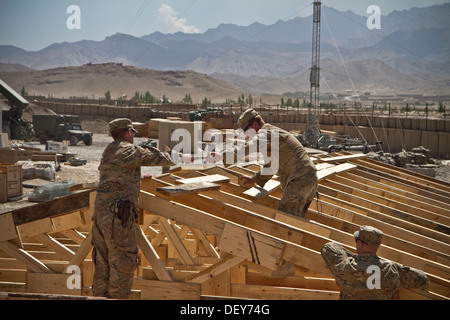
(252, 246)
(151, 255)
(373, 177)
(188, 188)
(422, 187)
(440, 187)
(204, 242)
(7, 227)
(429, 228)
(59, 206)
(33, 228)
(164, 290)
(215, 269)
(74, 235)
(68, 221)
(53, 244)
(24, 257)
(173, 237)
(280, 293)
(302, 282)
(343, 158)
(351, 179)
(365, 216)
(49, 283)
(259, 192)
(82, 251)
(214, 178)
(415, 213)
(329, 172)
(183, 214)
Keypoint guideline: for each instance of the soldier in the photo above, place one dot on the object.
(297, 173)
(116, 208)
(365, 276)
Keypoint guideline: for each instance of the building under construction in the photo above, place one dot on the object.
(202, 236)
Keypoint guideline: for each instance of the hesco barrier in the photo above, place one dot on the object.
(397, 133)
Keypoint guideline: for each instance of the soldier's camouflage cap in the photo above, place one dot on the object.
(369, 234)
(121, 123)
(245, 118)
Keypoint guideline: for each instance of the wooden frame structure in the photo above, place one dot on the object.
(202, 235)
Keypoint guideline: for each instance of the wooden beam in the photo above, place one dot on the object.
(24, 257)
(82, 251)
(53, 244)
(188, 188)
(399, 188)
(254, 247)
(7, 227)
(432, 190)
(329, 172)
(259, 192)
(351, 179)
(53, 208)
(343, 158)
(214, 178)
(172, 235)
(215, 269)
(366, 216)
(434, 230)
(204, 242)
(404, 210)
(280, 293)
(151, 255)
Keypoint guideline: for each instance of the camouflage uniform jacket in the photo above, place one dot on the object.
(294, 161)
(120, 172)
(355, 276)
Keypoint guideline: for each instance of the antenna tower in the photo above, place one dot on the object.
(312, 133)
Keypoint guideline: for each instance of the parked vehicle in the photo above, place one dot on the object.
(60, 128)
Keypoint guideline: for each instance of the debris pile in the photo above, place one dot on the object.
(417, 156)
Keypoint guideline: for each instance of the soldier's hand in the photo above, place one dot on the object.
(165, 148)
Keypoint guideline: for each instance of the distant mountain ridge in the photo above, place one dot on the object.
(413, 42)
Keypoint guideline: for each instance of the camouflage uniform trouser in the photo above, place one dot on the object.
(114, 255)
(298, 194)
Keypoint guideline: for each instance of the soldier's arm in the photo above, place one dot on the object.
(137, 156)
(412, 278)
(333, 254)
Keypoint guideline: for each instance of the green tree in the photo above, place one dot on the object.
(187, 98)
(108, 95)
(205, 103)
(23, 92)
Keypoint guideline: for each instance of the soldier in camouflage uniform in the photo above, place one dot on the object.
(116, 208)
(365, 276)
(297, 173)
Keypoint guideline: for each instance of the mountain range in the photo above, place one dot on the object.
(410, 53)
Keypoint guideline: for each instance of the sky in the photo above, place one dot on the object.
(35, 24)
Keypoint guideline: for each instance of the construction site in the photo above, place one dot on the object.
(201, 234)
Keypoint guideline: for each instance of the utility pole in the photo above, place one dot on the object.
(312, 131)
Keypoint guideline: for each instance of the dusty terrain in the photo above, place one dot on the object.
(94, 80)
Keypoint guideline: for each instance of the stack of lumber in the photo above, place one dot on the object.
(202, 235)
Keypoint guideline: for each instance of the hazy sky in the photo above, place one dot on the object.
(35, 24)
